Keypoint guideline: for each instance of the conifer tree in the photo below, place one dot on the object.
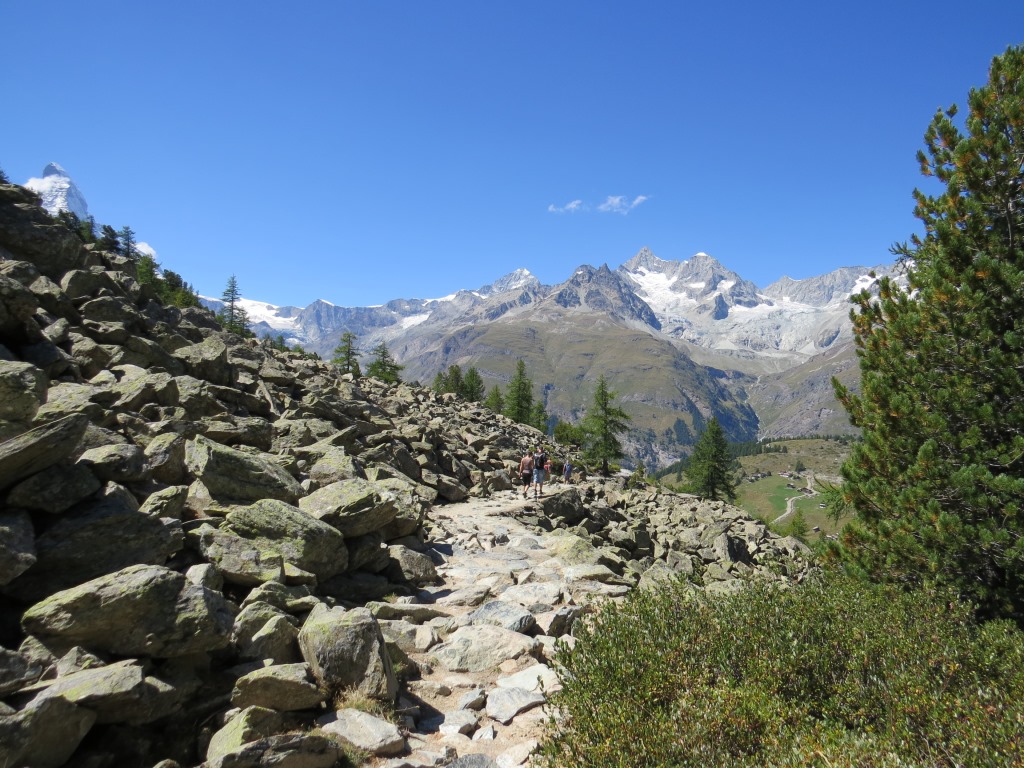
(3, 177)
(711, 469)
(539, 417)
(938, 480)
(384, 366)
(346, 355)
(472, 386)
(602, 424)
(109, 239)
(233, 316)
(519, 396)
(495, 401)
(128, 243)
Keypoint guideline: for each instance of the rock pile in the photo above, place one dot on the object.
(197, 531)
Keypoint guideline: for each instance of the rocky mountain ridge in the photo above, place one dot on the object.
(197, 531)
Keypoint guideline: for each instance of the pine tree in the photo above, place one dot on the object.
(3, 177)
(711, 470)
(472, 386)
(495, 401)
(233, 316)
(453, 380)
(519, 396)
(346, 355)
(602, 424)
(384, 366)
(938, 480)
(128, 243)
(109, 239)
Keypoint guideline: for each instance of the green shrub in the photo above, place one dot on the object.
(831, 673)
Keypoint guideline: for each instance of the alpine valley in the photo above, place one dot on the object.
(677, 341)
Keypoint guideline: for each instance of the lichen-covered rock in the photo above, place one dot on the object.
(232, 474)
(22, 390)
(298, 537)
(345, 649)
(284, 687)
(55, 489)
(238, 560)
(45, 734)
(142, 610)
(364, 732)
(39, 448)
(354, 507)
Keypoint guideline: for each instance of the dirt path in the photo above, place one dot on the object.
(487, 557)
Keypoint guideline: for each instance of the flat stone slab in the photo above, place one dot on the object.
(364, 731)
(479, 648)
(503, 704)
(532, 679)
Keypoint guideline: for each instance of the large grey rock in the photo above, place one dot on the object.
(45, 734)
(55, 489)
(239, 561)
(284, 687)
(165, 456)
(231, 474)
(207, 360)
(364, 731)
(39, 448)
(411, 567)
(22, 390)
(539, 677)
(100, 537)
(17, 545)
(300, 538)
(141, 610)
(16, 670)
(249, 725)
(503, 704)
(483, 647)
(355, 507)
(119, 463)
(277, 640)
(505, 614)
(345, 649)
(116, 692)
(285, 750)
(333, 466)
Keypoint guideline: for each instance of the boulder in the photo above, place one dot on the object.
(355, 507)
(45, 734)
(345, 649)
(300, 538)
(207, 360)
(55, 489)
(249, 725)
(284, 687)
(286, 750)
(505, 614)
(121, 463)
(141, 610)
(503, 704)
(239, 561)
(22, 390)
(100, 537)
(39, 448)
(231, 474)
(411, 567)
(364, 731)
(480, 648)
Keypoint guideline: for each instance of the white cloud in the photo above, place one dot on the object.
(572, 207)
(621, 204)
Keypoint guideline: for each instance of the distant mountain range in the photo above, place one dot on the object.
(678, 341)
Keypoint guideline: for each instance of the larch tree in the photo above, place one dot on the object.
(712, 470)
(233, 315)
(602, 424)
(472, 386)
(519, 396)
(495, 400)
(346, 355)
(384, 366)
(937, 481)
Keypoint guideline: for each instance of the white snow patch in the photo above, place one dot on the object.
(409, 322)
(697, 286)
(262, 312)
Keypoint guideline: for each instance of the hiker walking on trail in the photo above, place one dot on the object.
(526, 472)
(540, 460)
(567, 472)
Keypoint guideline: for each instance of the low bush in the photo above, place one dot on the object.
(831, 673)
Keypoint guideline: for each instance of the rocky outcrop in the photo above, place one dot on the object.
(197, 531)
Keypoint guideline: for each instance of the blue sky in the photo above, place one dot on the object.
(364, 151)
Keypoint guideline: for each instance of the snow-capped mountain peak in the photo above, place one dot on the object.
(58, 192)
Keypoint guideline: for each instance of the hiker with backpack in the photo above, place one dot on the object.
(540, 461)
